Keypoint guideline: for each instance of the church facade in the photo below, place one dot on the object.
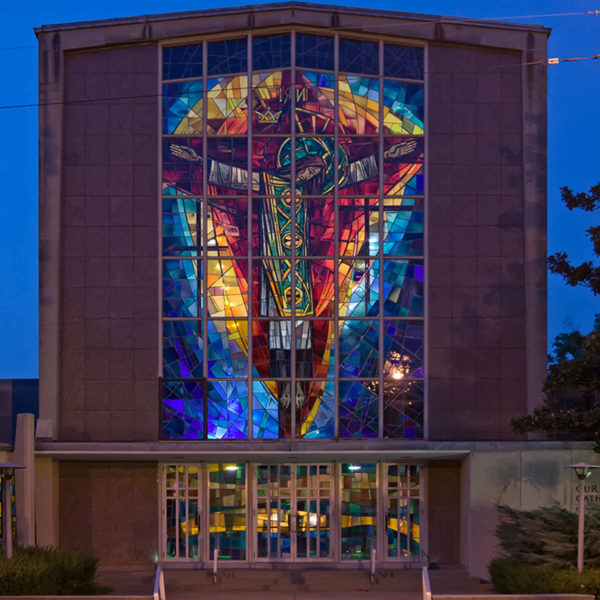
(292, 286)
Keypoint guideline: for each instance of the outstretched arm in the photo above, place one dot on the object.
(366, 168)
(218, 173)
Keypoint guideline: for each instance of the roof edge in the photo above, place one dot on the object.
(424, 18)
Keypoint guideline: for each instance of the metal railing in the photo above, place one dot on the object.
(426, 584)
(159, 585)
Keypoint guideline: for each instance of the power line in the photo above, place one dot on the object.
(549, 61)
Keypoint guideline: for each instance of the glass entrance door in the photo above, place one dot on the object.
(293, 511)
(403, 511)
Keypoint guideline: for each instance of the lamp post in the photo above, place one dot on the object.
(583, 471)
(7, 470)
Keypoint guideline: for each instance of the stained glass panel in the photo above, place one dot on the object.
(315, 409)
(228, 56)
(359, 510)
(181, 226)
(226, 288)
(182, 283)
(182, 107)
(358, 229)
(227, 348)
(182, 410)
(403, 228)
(315, 102)
(271, 52)
(403, 349)
(182, 349)
(403, 107)
(293, 243)
(314, 51)
(403, 166)
(180, 62)
(271, 102)
(358, 288)
(359, 409)
(227, 227)
(358, 104)
(403, 409)
(358, 56)
(271, 409)
(403, 61)
(227, 410)
(403, 288)
(182, 165)
(227, 105)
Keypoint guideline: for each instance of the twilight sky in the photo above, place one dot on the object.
(573, 144)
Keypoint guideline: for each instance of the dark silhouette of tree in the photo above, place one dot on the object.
(586, 274)
(572, 388)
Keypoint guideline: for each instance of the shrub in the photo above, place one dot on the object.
(547, 536)
(514, 577)
(35, 570)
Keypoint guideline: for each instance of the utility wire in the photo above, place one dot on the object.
(549, 61)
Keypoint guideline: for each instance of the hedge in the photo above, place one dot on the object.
(35, 570)
(514, 577)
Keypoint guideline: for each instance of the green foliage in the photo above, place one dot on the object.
(513, 577)
(586, 274)
(35, 570)
(572, 387)
(539, 552)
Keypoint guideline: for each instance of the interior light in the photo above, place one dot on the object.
(231, 467)
(354, 467)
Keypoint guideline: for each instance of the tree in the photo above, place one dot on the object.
(572, 388)
(586, 274)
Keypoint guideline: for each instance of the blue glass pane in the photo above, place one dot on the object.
(403, 288)
(271, 52)
(182, 410)
(265, 410)
(359, 409)
(359, 349)
(227, 410)
(181, 227)
(182, 107)
(403, 61)
(182, 288)
(403, 409)
(227, 351)
(404, 107)
(180, 62)
(357, 56)
(314, 51)
(229, 56)
(182, 349)
(403, 349)
(403, 229)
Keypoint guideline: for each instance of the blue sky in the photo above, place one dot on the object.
(573, 149)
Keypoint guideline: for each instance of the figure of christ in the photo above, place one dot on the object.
(278, 231)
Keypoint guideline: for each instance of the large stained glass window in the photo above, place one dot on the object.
(293, 250)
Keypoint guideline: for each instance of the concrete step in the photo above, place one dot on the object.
(305, 581)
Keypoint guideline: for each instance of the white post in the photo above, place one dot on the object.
(373, 561)
(7, 515)
(580, 530)
(215, 559)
